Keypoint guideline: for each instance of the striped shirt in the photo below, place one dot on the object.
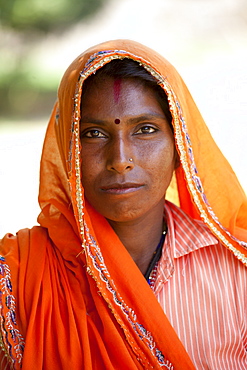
(202, 288)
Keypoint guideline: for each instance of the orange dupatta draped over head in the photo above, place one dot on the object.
(86, 304)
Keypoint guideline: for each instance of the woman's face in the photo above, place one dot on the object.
(128, 152)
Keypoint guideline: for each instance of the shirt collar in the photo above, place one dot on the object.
(185, 235)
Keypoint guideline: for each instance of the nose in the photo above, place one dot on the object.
(119, 158)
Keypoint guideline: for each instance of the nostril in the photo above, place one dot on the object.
(120, 167)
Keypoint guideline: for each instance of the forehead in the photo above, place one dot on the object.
(131, 70)
(95, 82)
(119, 96)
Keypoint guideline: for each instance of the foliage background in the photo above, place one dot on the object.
(25, 24)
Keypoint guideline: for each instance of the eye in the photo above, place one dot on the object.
(146, 130)
(93, 134)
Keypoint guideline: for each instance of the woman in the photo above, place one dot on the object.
(112, 279)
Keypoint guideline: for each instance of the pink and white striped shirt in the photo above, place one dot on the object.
(202, 288)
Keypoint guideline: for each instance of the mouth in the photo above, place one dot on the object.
(124, 188)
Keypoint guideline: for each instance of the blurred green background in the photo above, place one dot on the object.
(25, 89)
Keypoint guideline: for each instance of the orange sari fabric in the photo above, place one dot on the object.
(71, 294)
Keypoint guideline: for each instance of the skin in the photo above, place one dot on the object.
(117, 89)
(130, 195)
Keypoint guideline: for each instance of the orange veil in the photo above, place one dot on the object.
(71, 295)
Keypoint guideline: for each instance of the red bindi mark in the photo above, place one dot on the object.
(117, 121)
(117, 89)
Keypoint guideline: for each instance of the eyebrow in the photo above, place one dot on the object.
(131, 120)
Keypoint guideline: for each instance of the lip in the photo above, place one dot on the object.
(122, 188)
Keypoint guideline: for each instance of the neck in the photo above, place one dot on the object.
(141, 236)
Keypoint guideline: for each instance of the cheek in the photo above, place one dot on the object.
(160, 157)
(91, 165)
(162, 164)
(88, 174)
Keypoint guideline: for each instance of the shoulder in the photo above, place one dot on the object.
(196, 236)
(179, 216)
(10, 241)
(188, 235)
(16, 248)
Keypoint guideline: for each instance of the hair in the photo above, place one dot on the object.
(128, 68)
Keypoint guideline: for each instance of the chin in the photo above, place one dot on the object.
(123, 215)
